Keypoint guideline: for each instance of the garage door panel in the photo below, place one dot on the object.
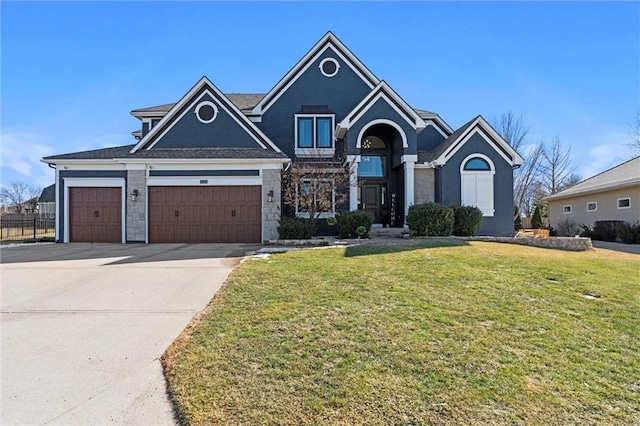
(206, 214)
(95, 214)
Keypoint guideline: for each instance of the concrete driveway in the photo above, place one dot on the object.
(83, 326)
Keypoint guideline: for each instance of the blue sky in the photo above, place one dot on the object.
(72, 71)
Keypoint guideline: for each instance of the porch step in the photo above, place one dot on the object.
(387, 232)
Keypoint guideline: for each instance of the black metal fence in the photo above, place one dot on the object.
(12, 229)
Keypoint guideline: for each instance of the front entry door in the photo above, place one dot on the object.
(373, 201)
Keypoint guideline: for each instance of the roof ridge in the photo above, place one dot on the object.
(606, 171)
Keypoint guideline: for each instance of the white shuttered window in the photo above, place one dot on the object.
(477, 173)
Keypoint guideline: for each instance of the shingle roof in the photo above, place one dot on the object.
(48, 194)
(243, 101)
(427, 156)
(424, 114)
(175, 153)
(94, 154)
(424, 156)
(625, 174)
(157, 108)
(207, 153)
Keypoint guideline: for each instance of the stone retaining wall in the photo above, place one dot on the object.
(560, 243)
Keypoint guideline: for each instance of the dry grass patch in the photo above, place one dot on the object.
(430, 332)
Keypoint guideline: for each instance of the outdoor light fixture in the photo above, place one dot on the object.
(270, 196)
(134, 195)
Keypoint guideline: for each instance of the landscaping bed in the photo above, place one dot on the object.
(424, 332)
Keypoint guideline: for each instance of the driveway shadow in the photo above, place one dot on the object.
(118, 254)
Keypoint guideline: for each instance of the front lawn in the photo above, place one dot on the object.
(434, 332)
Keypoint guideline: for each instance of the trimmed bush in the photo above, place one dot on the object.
(296, 228)
(517, 223)
(517, 218)
(606, 230)
(629, 233)
(430, 219)
(348, 222)
(466, 220)
(536, 220)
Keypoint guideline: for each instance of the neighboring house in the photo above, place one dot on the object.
(47, 202)
(611, 195)
(29, 207)
(208, 168)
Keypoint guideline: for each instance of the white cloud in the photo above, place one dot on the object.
(21, 151)
(20, 155)
(608, 150)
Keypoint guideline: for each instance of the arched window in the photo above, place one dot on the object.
(477, 164)
(477, 172)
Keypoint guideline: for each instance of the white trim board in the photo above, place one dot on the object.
(211, 181)
(475, 130)
(481, 127)
(393, 124)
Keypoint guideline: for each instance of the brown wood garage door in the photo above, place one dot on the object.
(95, 215)
(207, 214)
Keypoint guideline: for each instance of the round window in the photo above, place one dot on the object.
(329, 67)
(206, 112)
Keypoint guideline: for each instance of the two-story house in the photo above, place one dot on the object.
(209, 167)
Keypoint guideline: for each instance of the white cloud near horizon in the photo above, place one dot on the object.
(20, 154)
(606, 151)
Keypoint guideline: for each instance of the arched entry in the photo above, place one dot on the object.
(380, 172)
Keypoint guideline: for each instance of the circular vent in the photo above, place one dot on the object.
(329, 67)
(206, 111)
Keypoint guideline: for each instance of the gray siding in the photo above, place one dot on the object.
(81, 174)
(429, 139)
(230, 173)
(223, 132)
(340, 93)
(449, 180)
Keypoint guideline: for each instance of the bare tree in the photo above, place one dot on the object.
(512, 128)
(313, 188)
(557, 169)
(635, 135)
(572, 180)
(525, 178)
(17, 194)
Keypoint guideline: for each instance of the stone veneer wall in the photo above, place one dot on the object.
(136, 214)
(271, 181)
(425, 186)
(560, 243)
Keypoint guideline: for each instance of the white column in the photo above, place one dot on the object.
(57, 205)
(409, 190)
(353, 181)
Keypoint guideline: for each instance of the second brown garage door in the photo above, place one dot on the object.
(207, 214)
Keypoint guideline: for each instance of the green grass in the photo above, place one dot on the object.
(438, 332)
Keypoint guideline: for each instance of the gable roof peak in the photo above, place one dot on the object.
(202, 87)
(328, 40)
(454, 142)
(381, 91)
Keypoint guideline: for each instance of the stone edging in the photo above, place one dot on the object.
(559, 243)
